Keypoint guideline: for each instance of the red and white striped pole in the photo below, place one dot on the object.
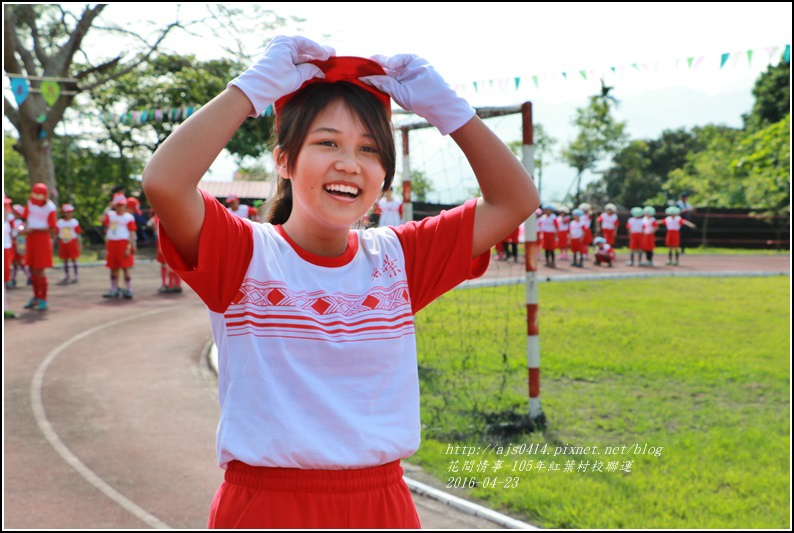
(408, 208)
(531, 262)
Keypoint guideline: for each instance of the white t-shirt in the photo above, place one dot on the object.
(68, 229)
(389, 212)
(317, 356)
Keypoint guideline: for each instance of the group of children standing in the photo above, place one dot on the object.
(31, 233)
(566, 230)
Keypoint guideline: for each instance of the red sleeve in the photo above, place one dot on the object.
(225, 249)
(52, 220)
(105, 220)
(438, 253)
(132, 226)
(400, 209)
(78, 229)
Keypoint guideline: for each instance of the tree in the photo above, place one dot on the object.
(600, 135)
(640, 170)
(420, 186)
(40, 43)
(772, 91)
(168, 82)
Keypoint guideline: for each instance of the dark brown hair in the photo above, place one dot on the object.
(295, 118)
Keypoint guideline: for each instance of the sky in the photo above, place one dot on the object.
(641, 49)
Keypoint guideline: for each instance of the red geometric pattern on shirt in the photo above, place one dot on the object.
(277, 294)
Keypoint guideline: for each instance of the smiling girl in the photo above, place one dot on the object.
(317, 369)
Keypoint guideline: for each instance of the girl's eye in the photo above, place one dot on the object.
(370, 149)
(327, 143)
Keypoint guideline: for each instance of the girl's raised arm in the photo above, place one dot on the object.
(172, 174)
(509, 195)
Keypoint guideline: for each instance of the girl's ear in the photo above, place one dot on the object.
(280, 161)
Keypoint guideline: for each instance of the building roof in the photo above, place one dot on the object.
(245, 190)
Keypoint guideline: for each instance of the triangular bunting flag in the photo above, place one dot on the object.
(689, 61)
(749, 57)
(724, 59)
(583, 74)
(787, 54)
(535, 81)
(517, 81)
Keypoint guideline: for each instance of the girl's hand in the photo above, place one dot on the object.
(417, 87)
(281, 70)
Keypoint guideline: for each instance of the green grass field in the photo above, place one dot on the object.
(697, 369)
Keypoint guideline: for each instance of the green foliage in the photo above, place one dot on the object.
(623, 362)
(763, 165)
(599, 135)
(15, 173)
(772, 93)
(172, 81)
(420, 186)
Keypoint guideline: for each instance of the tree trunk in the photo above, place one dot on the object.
(36, 152)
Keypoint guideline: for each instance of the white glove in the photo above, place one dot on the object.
(413, 83)
(281, 70)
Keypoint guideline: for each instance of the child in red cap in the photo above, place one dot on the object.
(40, 228)
(313, 320)
(120, 239)
(8, 252)
(69, 232)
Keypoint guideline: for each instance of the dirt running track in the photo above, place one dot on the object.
(110, 407)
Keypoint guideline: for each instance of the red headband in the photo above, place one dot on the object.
(344, 68)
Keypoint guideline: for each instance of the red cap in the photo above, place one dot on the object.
(232, 198)
(67, 208)
(40, 189)
(134, 204)
(119, 199)
(344, 68)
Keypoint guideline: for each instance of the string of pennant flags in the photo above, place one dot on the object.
(50, 89)
(691, 63)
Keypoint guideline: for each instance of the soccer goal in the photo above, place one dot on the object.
(478, 349)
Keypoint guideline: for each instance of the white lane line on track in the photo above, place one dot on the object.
(55, 441)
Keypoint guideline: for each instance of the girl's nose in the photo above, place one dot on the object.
(347, 162)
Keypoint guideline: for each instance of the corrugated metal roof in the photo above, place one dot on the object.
(245, 190)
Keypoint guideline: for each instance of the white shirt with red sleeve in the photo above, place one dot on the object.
(563, 221)
(576, 230)
(40, 217)
(634, 224)
(244, 211)
(548, 223)
(68, 230)
(673, 223)
(317, 356)
(119, 227)
(649, 225)
(608, 221)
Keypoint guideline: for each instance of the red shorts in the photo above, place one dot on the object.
(605, 257)
(648, 241)
(549, 241)
(38, 245)
(8, 255)
(69, 250)
(635, 241)
(673, 238)
(562, 239)
(116, 257)
(609, 235)
(290, 498)
(577, 245)
(588, 236)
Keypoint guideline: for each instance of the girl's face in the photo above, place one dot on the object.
(338, 174)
